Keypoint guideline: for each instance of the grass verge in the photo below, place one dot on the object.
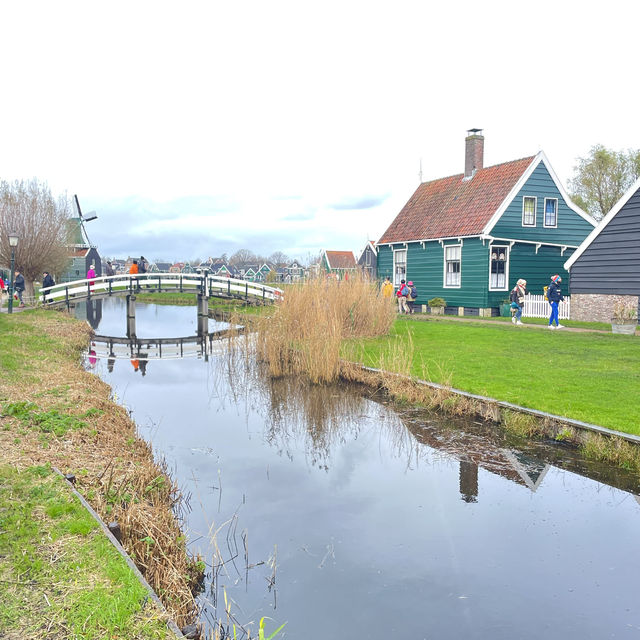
(54, 412)
(587, 376)
(59, 574)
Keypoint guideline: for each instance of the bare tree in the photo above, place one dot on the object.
(41, 222)
(242, 256)
(279, 258)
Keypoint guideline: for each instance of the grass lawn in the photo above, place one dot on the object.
(588, 376)
(60, 575)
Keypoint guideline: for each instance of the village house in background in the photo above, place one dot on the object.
(605, 269)
(368, 260)
(467, 238)
(339, 263)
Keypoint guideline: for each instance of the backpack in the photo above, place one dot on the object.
(414, 292)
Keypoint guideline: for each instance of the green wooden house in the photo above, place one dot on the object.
(468, 238)
(339, 263)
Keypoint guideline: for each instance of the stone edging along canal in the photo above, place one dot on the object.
(489, 408)
(172, 626)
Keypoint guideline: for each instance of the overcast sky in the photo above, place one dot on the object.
(197, 128)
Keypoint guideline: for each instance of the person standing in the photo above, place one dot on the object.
(133, 269)
(142, 265)
(387, 289)
(554, 295)
(47, 280)
(402, 293)
(91, 273)
(3, 291)
(109, 269)
(517, 300)
(411, 298)
(18, 286)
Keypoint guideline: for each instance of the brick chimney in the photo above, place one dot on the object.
(474, 152)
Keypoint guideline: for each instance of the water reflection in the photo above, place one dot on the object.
(348, 516)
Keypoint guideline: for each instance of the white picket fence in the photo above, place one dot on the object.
(537, 307)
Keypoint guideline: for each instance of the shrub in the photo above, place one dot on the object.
(437, 302)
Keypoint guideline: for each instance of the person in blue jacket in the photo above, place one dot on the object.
(554, 295)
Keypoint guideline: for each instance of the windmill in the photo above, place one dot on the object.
(92, 215)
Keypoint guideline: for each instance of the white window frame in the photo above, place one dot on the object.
(444, 267)
(396, 278)
(498, 247)
(544, 213)
(535, 210)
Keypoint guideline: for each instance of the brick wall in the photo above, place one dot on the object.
(596, 307)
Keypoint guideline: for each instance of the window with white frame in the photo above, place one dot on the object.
(529, 211)
(399, 266)
(551, 212)
(452, 265)
(498, 270)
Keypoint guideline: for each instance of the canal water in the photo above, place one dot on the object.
(332, 510)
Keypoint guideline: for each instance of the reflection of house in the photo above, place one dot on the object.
(606, 267)
(339, 263)
(518, 467)
(367, 262)
(467, 238)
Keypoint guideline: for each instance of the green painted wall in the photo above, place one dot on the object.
(572, 228)
(425, 268)
(536, 269)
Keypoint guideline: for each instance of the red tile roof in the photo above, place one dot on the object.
(451, 207)
(341, 259)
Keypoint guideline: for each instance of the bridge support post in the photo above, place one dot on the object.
(131, 316)
(203, 314)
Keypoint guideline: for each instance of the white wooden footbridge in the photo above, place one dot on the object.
(203, 285)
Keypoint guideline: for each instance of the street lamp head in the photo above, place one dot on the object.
(13, 239)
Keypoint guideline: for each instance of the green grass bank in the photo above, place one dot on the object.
(60, 576)
(584, 375)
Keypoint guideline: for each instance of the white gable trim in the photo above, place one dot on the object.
(602, 224)
(540, 157)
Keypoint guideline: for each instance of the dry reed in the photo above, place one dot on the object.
(306, 332)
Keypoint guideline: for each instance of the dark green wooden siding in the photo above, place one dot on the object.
(572, 228)
(425, 268)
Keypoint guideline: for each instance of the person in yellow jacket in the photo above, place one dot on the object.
(387, 289)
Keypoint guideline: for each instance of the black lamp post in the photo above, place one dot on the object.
(13, 243)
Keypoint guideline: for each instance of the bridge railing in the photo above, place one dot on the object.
(124, 284)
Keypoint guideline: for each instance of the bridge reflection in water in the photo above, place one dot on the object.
(142, 349)
(200, 346)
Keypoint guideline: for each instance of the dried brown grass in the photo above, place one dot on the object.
(114, 468)
(306, 332)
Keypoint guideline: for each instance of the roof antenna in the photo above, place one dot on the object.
(420, 173)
